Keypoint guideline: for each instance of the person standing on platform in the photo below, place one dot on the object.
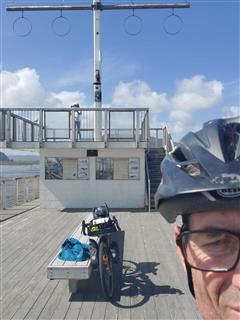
(78, 114)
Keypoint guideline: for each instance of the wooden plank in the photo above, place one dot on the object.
(54, 301)
(15, 295)
(63, 306)
(43, 298)
(19, 249)
(90, 297)
(28, 266)
(147, 266)
(154, 248)
(148, 243)
(28, 300)
(76, 302)
(65, 227)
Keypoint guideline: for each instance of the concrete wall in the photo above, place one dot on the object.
(89, 193)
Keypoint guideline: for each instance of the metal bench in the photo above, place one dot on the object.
(77, 273)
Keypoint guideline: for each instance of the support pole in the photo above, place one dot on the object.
(97, 87)
(137, 128)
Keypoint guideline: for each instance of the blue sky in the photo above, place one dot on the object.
(184, 79)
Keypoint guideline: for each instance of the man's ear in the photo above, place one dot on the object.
(177, 231)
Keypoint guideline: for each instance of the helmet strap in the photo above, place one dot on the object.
(185, 227)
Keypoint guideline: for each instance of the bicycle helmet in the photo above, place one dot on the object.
(202, 173)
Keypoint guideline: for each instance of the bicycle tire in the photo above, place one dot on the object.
(106, 270)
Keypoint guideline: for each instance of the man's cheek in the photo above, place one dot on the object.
(207, 287)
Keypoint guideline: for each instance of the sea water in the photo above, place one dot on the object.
(17, 171)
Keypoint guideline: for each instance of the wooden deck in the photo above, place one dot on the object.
(154, 285)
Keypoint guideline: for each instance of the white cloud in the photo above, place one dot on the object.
(180, 115)
(23, 89)
(231, 111)
(138, 94)
(179, 128)
(196, 93)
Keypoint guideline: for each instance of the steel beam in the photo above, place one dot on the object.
(181, 5)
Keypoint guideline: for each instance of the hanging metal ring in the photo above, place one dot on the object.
(178, 21)
(17, 24)
(138, 23)
(61, 19)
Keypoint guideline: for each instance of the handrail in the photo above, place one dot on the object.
(168, 141)
(77, 109)
(14, 115)
(14, 127)
(149, 183)
(25, 192)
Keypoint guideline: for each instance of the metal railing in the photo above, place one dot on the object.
(14, 192)
(51, 124)
(54, 125)
(18, 126)
(168, 143)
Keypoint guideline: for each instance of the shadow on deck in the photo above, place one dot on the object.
(153, 284)
(135, 283)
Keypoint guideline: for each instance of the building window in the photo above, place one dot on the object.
(53, 168)
(118, 169)
(104, 169)
(66, 169)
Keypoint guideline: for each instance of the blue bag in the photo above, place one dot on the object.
(73, 250)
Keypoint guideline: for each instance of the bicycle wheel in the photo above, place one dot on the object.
(106, 270)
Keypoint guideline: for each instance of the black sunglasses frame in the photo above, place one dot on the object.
(179, 243)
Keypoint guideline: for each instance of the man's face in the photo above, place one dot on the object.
(217, 293)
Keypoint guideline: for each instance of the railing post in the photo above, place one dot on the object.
(35, 187)
(2, 125)
(157, 137)
(38, 187)
(24, 133)
(16, 195)
(24, 190)
(14, 136)
(40, 130)
(105, 127)
(4, 205)
(32, 132)
(146, 127)
(8, 127)
(137, 128)
(73, 127)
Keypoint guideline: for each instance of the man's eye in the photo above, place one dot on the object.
(221, 244)
(215, 243)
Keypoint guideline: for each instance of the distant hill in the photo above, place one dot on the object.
(11, 155)
(3, 157)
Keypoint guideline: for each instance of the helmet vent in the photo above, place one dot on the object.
(229, 193)
(192, 170)
(231, 141)
(178, 155)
